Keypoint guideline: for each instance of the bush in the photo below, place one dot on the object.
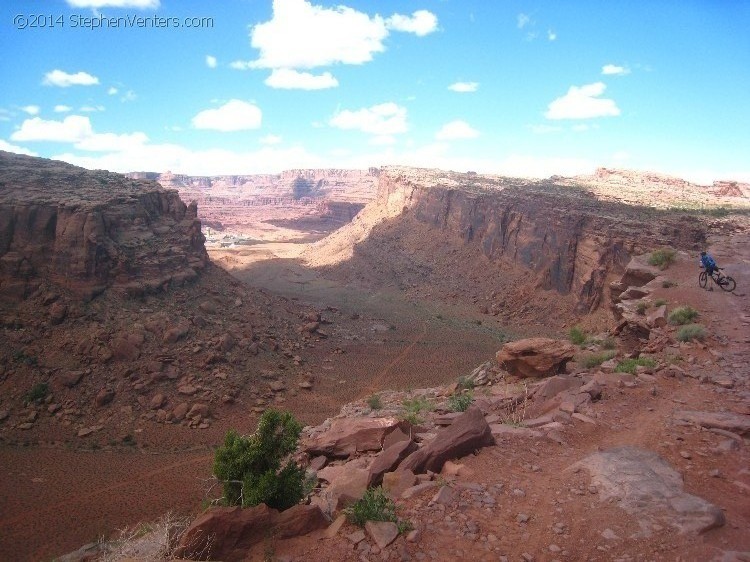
(666, 284)
(38, 392)
(629, 365)
(596, 359)
(414, 407)
(460, 402)
(641, 307)
(682, 315)
(662, 258)
(250, 467)
(465, 383)
(608, 343)
(577, 336)
(691, 332)
(660, 302)
(375, 505)
(374, 402)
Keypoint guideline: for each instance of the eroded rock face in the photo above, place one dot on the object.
(91, 230)
(535, 357)
(347, 436)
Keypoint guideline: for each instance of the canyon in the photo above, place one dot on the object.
(145, 315)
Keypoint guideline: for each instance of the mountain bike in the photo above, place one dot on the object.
(725, 282)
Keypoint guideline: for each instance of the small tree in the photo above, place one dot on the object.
(250, 467)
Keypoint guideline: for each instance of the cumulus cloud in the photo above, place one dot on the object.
(31, 109)
(456, 130)
(614, 70)
(211, 61)
(522, 20)
(288, 79)
(464, 87)
(7, 147)
(583, 102)
(551, 35)
(382, 119)
(235, 115)
(112, 91)
(62, 108)
(303, 35)
(91, 108)
(111, 142)
(63, 79)
(96, 4)
(420, 23)
(271, 139)
(73, 128)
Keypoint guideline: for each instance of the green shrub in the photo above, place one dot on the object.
(641, 307)
(250, 467)
(662, 258)
(596, 359)
(374, 402)
(682, 315)
(577, 336)
(465, 383)
(666, 284)
(608, 343)
(691, 332)
(660, 302)
(375, 505)
(460, 402)
(38, 392)
(629, 365)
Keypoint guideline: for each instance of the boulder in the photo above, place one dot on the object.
(647, 487)
(175, 333)
(554, 385)
(347, 487)
(389, 459)
(638, 272)
(299, 520)
(728, 421)
(468, 433)
(396, 483)
(635, 293)
(382, 533)
(657, 318)
(157, 401)
(535, 357)
(71, 378)
(57, 313)
(347, 436)
(104, 397)
(226, 533)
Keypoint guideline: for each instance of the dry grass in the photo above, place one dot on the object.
(146, 542)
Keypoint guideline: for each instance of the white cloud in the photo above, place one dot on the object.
(5, 115)
(73, 128)
(383, 119)
(111, 142)
(96, 4)
(456, 130)
(241, 65)
(7, 147)
(31, 109)
(383, 140)
(271, 139)
(522, 20)
(551, 35)
(211, 61)
(129, 96)
(464, 87)
(288, 79)
(235, 115)
(64, 80)
(112, 91)
(583, 103)
(301, 35)
(91, 108)
(614, 70)
(420, 23)
(62, 108)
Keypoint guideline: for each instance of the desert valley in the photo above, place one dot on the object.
(526, 369)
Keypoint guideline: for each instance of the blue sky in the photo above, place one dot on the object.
(528, 88)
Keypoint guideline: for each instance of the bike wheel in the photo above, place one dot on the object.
(703, 279)
(728, 284)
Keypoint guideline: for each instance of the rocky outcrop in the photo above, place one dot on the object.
(535, 357)
(87, 231)
(346, 437)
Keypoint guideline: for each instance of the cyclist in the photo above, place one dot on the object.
(709, 263)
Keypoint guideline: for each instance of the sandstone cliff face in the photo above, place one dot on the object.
(88, 231)
(563, 238)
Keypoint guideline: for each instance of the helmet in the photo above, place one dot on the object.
(703, 253)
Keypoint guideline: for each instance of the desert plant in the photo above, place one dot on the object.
(596, 359)
(375, 505)
(660, 302)
(662, 257)
(691, 332)
(414, 407)
(250, 467)
(577, 336)
(460, 402)
(608, 343)
(641, 307)
(38, 392)
(666, 284)
(682, 315)
(465, 383)
(374, 402)
(630, 365)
